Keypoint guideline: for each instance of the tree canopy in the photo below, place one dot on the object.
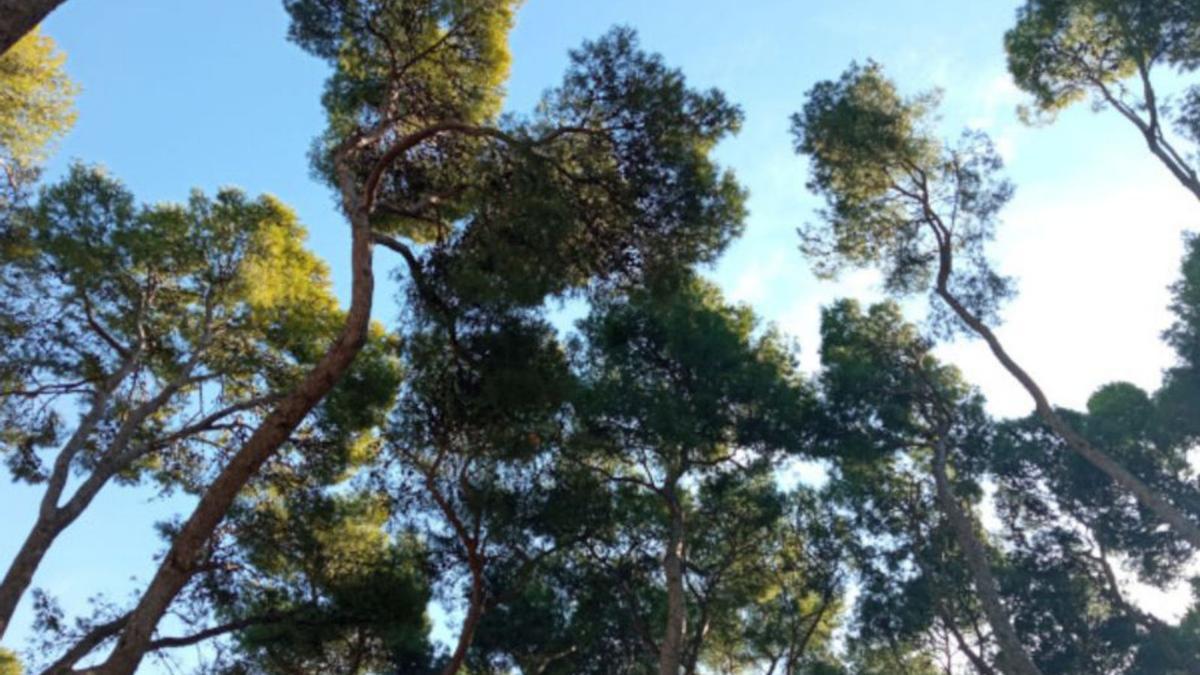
(566, 449)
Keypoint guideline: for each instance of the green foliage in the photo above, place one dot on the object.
(377, 45)
(321, 586)
(214, 298)
(684, 401)
(887, 403)
(896, 197)
(675, 370)
(631, 191)
(1060, 51)
(9, 665)
(476, 455)
(581, 614)
(1177, 398)
(861, 136)
(767, 574)
(475, 443)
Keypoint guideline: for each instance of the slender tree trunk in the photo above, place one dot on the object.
(20, 572)
(53, 519)
(475, 609)
(976, 660)
(18, 17)
(1013, 658)
(671, 650)
(693, 651)
(187, 549)
(1151, 130)
(1182, 173)
(1148, 497)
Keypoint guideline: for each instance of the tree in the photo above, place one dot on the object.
(324, 587)
(1062, 51)
(171, 327)
(1066, 531)
(253, 581)
(1180, 391)
(899, 199)
(891, 403)
(475, 440)
(765, 577)
(418, 154)
(679, 390)
(21, 18)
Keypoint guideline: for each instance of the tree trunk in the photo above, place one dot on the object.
(1013, 658)
(692, 659)
(20, 572)
(470, 623)
(1151, 130)
(1156, 503)
(187, 549)
(18, 17)
(671, 651)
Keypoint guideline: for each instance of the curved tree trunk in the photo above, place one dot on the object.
(1147, 496)
(670, 653)
(18, 17)
(187, 549)
(1013, 659)
(475, 609)
(20, 572)
(1151, 130)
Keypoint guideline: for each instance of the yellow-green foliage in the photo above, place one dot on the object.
(37, 99)
(9, 665)
(286, 287)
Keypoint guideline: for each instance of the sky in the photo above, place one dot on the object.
(180, 95)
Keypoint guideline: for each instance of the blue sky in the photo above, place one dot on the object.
(177, 95)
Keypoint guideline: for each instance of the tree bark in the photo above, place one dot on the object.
(671, 650)
(1148, 497)
(1013, 658)
(20, 572)
(52, 518)
(188, 546)
(1151, 130)
(18, 17)
(475, 610)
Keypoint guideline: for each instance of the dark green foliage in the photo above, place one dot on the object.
(887, 404)
(322, 587)
(1176, 400)
(676, 371)
(632, 190)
